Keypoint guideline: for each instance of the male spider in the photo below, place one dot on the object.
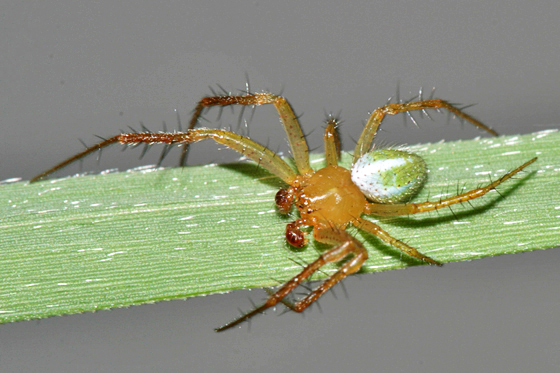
(328, 199)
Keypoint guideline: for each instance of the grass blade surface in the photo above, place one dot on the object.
(119, 239)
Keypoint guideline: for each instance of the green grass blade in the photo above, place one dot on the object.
(104, 241)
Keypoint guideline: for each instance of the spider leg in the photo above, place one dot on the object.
(332, 142)
(375, 229)
(74, 158)
(300, 150)
(265, 157)
(374, 121)
(415, 208)
(344, 245)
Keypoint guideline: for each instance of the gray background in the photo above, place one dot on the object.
(74, 69)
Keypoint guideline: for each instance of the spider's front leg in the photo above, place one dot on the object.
(344, 245)
(300, 150)
(265, 157)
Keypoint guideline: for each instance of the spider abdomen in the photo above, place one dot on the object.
(389, 175)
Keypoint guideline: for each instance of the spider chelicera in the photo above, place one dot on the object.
(332, 198)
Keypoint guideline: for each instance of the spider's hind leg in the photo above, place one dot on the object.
(375, 229)
(415, 208)
(374, 121)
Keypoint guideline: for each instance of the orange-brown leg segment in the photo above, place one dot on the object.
(370, 129)
(344, 245)
(300, 150)
(415, 208)
(91, 149)
(332, 142)
(265, 157)
(375, 229)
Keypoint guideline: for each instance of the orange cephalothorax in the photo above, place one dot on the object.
(330, 195)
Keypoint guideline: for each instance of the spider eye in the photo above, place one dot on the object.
(389, 175)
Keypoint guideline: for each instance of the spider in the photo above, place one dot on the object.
(330, 199)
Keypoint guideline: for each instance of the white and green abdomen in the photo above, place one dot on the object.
(389, 175)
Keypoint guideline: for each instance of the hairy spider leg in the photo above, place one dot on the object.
(76, 157)
(265, 157)
(194, 120)
(375, 229)
(298, 144)
(332, 142)
(370, 129)
(415, 208)
(344, 245)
